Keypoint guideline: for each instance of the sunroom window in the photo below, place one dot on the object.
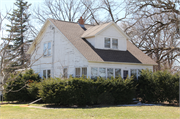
(102, 72)
(94, 72)
(117, 73)
(110, 72)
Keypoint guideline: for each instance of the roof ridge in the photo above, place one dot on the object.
(71, 22)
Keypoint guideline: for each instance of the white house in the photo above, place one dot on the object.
(67, 48)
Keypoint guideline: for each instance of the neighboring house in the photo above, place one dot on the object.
(67, 48)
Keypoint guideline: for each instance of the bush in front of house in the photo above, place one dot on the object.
(21, 87)
(158, 87)
(84, 91)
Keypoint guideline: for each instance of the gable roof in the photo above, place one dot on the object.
(94, 30)
(73, 32)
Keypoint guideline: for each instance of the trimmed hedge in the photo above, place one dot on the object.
(158, 87)
(83, 91)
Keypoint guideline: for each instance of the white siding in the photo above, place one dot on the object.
(65, 55)
(110, 32)
(91, 40)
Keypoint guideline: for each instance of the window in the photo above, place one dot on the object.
(117, 73)
(65, 73)
(125, 74)
(78, 72)
(84, 71)
(107, 43)
(115, 43)
(102, 72)
(47, 49)
(111, 43)
(109, 72)
(139, 72)
(134, 73)
(94, 72)
(46, 73)
(81, 71)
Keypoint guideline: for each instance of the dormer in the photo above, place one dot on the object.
(107, 36)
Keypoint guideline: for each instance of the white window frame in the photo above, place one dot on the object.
(123, 73)
(47, 50)
(135, 72)
(46, 70)
(81, 71)
(105, 71)
(97, 71)
(111, 43)
(66, 72)
(115, 72)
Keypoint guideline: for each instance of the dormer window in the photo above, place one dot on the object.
(115, 43)
(111, 43)
(107, 43)
(47, 49)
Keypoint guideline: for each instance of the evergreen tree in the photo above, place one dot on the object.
(18, 33)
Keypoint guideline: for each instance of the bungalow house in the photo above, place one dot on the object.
(67, 48)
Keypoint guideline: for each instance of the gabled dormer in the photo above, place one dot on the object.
(107, 36)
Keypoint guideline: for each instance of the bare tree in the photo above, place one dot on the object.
(162, 45)
(66, 10)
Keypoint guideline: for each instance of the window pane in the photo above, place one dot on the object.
(133, 73)
(115, 43)
(65, 72)
(49, 49)
(102, 72)
(109, 72)
(107, 43)
(84, 71)
(45, 49)
(44, 73)
(77, 72)
(48, 73)
(125, 73)
(117, 72)
(94, 72)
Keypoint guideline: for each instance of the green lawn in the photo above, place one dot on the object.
(143, 112)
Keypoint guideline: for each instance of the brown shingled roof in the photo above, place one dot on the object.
(73, 32)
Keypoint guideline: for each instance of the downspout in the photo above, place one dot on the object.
(52, 74)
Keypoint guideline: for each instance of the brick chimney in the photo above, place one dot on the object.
(81, 21)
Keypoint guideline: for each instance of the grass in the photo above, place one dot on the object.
(144, 112)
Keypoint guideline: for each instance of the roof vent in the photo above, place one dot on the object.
(81, 23)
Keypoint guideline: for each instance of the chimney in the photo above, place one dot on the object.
(81, 23)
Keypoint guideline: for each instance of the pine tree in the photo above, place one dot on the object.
(18, 29)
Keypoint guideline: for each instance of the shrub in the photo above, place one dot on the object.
(158, 86)
(17, 86)
(83, 91)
